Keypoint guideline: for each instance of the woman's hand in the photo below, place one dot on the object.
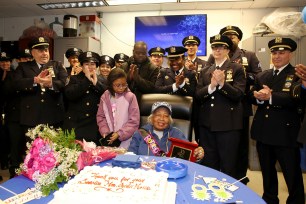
(114, 136)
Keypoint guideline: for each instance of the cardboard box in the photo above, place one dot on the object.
(90, 26)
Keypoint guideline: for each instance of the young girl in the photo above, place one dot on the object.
(118, 112)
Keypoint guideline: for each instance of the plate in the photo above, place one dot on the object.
(173, 168)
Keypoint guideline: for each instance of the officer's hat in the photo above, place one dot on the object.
(280, 43)
(24, 53)
(191, 40)
(231, 30)
(105, 59)
(121, 57)
(175, 51)
(39, 43)
(157, 51)
(89, 57)
(73, 52)
(221, 40)
(5, 57)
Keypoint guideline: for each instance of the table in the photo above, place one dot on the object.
(184, 185)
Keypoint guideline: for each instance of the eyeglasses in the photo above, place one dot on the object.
(120, 86)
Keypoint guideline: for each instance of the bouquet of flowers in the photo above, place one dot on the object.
(51, 157)
(54, 156)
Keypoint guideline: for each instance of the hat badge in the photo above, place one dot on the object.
(75, 49)
(106, 58)
(27, 51)
(158, 49)
(229, 27)
(41, 39)
(121, 56)
(89, 54)
(190, 37)
(172, 49)
(218, 37)
(278, 40)
(3, 54)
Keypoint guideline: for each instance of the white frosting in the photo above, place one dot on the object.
(96, 184)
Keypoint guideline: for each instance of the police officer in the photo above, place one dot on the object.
(157, 56)
(41, 83)
(106, 65)
(72, 55)
(192, 62)
(276, 124)
(252, 67)
(220, 90)
(83, 93)
(120, 58)
(177, 80)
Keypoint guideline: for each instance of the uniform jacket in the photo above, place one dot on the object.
(299, 94)
(251, 66)
(83, 100)
(278, 123)
(38, 106)
(166, 78)
(146, 80)
(139, 146)
(221, 110)
(127, 116)
(11, 97)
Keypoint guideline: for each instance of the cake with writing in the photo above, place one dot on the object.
(107, 184)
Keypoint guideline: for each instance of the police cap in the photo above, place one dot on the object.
(39, 43)
(157, 51)
(105, 59)
(121, 57)
(280, 43)
(175, 51)
(191, 40)
(5, 57)
(221, 40)
(231, 30)
(73, 52)
(89, 57)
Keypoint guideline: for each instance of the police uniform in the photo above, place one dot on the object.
(157, 51)
(121, 58)
(24, 53)
(72, 52)
(220, 113)
(40, 105)
(196, 61)
(275, 128)
(166, 77)
(83, 100)
(252, 67)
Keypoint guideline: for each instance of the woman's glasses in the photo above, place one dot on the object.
(120, 86)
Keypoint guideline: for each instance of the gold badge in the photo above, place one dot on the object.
(158, 49)
(166, 77)
(288, 83)
(190, 37)
(278, 40)
(172, 50)
(51, 71)
(41, 39)
(218, 37)
(89, 54)
(229, 75)
(228, 27)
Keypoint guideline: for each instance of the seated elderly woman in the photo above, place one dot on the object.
(160, 127)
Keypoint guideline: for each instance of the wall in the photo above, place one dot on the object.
(118, 28)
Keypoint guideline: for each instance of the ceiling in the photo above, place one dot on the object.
(24, 8)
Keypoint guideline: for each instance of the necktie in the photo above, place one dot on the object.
(275, 73)
(217, 67)
(177, 72)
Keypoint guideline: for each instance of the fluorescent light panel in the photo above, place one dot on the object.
(184, 1)
(127, 2)
(66, 5)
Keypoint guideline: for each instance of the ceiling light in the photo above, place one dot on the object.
(125, 2)
(183, 1)
(64, 5)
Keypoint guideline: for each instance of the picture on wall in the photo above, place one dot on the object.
(166, 31)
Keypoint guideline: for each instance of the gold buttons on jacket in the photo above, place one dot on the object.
(268, 107)
(87, 92)
(212, 97)
(266, 115)
(212, 105)
(87, 115)
(42, 100)
(232, 108)
(87, 103)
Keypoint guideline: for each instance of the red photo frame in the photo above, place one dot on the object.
(182, 149)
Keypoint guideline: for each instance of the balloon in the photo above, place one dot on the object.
(304, 14)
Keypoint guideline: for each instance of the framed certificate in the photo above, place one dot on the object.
(182, 149)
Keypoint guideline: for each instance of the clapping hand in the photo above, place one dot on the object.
(90, 74)
(263, 94)
(218, 78)
(301, 72)
(190, 65)
(179, 79)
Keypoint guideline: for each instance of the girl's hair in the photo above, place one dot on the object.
(114, 74)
